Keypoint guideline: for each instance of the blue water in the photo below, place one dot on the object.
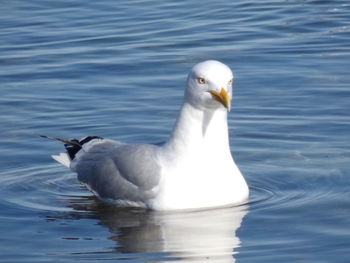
(117, 69)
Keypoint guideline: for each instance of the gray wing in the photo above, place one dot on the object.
(120, 171)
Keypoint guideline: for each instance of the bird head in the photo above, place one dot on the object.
(209, 86)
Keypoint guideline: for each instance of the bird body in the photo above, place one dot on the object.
(193, 169)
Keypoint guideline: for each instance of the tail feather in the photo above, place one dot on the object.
(72, 146)
(63, 158)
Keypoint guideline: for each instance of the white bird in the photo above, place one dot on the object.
(193, 169)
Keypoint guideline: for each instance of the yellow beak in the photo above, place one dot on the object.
(223, 98)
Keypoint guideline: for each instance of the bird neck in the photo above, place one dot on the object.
(200, 129)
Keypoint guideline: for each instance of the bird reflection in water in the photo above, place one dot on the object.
(189, 236)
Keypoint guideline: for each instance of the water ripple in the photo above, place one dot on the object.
(117, 69)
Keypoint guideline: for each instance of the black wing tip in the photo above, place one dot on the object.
(88, 138)
(73, 149)
(72, 146)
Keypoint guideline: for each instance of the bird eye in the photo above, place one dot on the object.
(230, 82)
(201, 80)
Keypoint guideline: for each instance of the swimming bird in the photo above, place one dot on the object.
(193, 169)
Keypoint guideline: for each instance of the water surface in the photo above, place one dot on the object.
(117, 70)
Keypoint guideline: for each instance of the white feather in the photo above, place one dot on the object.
(63, 158)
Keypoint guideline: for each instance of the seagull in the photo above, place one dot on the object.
(193, 169)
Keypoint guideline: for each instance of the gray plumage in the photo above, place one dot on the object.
(110, 165)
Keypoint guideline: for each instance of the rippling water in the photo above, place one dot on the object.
(117, 70)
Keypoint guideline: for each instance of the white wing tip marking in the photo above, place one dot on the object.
(63, 158)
